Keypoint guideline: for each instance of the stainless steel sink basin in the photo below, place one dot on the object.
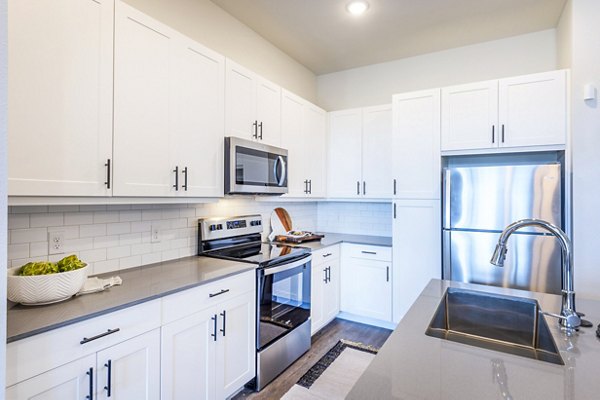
(508, 324)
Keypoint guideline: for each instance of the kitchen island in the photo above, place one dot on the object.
(412, 365)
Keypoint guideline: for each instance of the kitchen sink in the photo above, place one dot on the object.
(508, 324)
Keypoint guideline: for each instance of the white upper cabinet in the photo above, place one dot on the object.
(416, 145)
(529, 110)
(470, 116)
(360, 154)
(60, 58)
(169, 111)
(197, 119)
(345, 154)
(533, 109)
(142, 137)
(253, 106)
(303, 127)
(377, 152)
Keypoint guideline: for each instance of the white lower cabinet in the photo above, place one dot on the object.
(131, 369)
(210, 354)
(366, 284)
(72, 381)
(128, 370)
(325, 287)
(417, 250)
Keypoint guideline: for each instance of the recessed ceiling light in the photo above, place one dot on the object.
(357, 7)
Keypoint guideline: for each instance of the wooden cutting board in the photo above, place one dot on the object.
(284, 218)
(292, 239)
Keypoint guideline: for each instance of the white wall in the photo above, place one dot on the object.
(375, 84)
(210, 25)
(585, 64)
(3, 125)
(110, 238)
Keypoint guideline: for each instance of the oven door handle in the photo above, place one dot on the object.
(280, 179)
(287, 266)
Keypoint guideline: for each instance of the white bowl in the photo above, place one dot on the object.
(44, 289)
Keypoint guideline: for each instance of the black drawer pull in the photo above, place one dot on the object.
(219, 293)
(327, 255)
(90, 395)
(369, 252)
(108, 332)
(224, 315)
(108, 386)
(214, 334)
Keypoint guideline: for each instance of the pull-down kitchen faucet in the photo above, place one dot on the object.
(569, 319)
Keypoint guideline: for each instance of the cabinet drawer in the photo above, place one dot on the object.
(368, 252)
(187, 302)
(32, 356)
(326, 254)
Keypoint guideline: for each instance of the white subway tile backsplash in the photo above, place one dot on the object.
(112, 237)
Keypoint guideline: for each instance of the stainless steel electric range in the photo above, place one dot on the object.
(282, 285)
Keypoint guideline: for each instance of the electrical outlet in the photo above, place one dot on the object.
(56, 241)
(155, 234)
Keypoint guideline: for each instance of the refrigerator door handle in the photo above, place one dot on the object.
(446, 190)
(446, 255)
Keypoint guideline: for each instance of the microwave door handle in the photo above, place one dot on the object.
(280, 179)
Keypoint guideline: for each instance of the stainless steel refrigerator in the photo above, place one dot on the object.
(479, 202)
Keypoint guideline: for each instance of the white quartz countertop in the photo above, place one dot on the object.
(412, 365)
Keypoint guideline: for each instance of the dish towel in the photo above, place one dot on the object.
(93, 285)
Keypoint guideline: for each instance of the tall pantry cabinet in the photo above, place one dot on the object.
(416, 205)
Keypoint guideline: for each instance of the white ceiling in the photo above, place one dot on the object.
(321, 35)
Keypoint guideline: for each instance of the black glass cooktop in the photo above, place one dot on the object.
(260, 253)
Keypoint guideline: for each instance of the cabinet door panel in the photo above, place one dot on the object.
(366, 288)
(416, 145)
(142, 101)
(377, 152)
(268, 112)
(134, 369)
(470, 116)
(60, 95)
(240, 101)
(345, 154)
(331, 291)
(315, 137)
(292, 108)
(188, 358)
(317, 299)
(236, 344)
(417, 250)
(197, 118)
(68, 382)
(533, 109)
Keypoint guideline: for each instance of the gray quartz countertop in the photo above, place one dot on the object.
(411, 365)
(331, 239)
(139, 285)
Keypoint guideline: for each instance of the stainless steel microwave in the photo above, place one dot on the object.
(254, 168)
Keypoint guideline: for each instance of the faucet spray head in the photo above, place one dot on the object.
(499, 255)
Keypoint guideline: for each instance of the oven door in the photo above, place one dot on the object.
(254, 168)
(283, 294)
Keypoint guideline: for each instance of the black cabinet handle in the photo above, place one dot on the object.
(90, 373)
(306, 186)
(310, 186)
(210, 295)
(493, 133)
(329, 274)
(108, 386)
(260, 126)
(387, 274)
(107, 165)
(255, 126)
(369, 252)
(502, 133)
(176, 185)
(325, 272)
(358, 188)
(224, 315)
(214, 334)
(327, 255)
(394, 210)
(394, 186)
(185, 177)
(108, 332)
(364, 188)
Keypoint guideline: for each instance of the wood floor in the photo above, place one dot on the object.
(322, 341)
